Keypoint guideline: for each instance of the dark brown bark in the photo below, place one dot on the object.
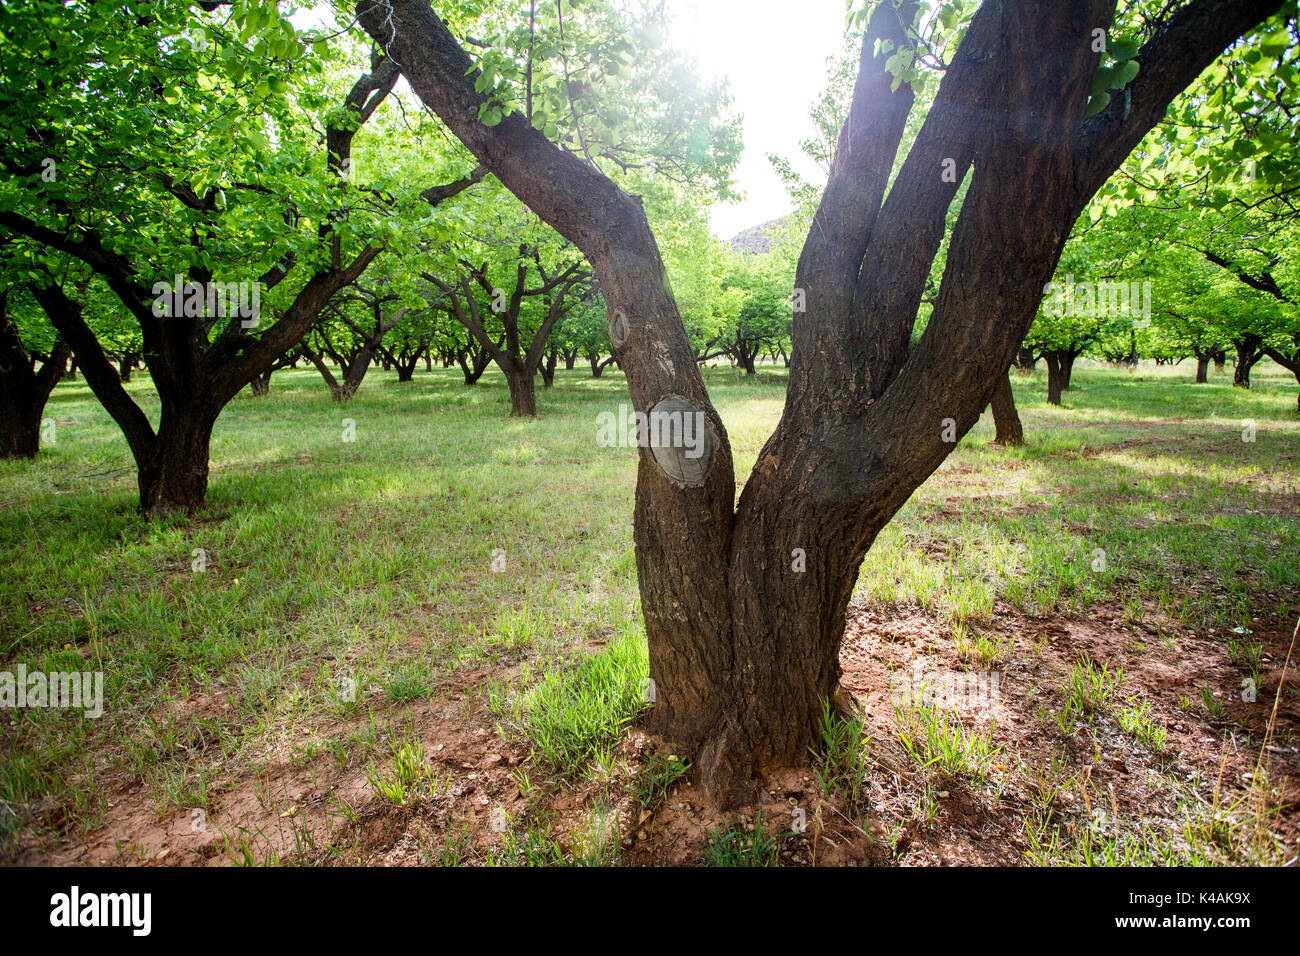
(548, 368)
(1006, 420)
(1202, 367)
(474, 359)
(126, 365)
(24, 389)
(175, 476)
(1249, 352)
(744, 642)
(523, 396)
(1053, 378)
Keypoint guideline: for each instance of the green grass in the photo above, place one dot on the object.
(738, 845)
(354, 580)
(573, 714)
(939, 739)
(840, 760)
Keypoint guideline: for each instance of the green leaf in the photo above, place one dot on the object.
(1126, 74)
(1096, 104)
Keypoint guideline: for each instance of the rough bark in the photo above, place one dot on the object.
(1006, 420)
(24, 389)
(523, 396)
(1202, 368)
(1248, 353)
(743, 643)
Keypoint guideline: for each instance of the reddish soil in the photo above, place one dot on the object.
(319, 811)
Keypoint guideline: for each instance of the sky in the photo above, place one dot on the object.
(773, 55)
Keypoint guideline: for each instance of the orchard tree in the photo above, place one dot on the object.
(745, 602)
(213, 120)
(25, 340)
(351, 334)
(524, 330)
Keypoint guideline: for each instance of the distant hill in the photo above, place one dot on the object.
(758, 239)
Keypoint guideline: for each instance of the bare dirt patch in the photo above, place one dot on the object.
(1093, 780)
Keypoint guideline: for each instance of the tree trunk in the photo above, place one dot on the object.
(1247, 355)
(1202, 367)
(597, 369)
(1006, 420)
(23, 390)
(1067, 368)
(744, 642)
(473, 363)
(1220, 359)
(523, 399)
(1054, 377)
(1025, 360)
(261, 385)
(174, 477)
(20, 418)
(548, 369)
(570, 359)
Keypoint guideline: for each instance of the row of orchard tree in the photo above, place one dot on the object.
(205, 144)
(215, 192)
(218, 143)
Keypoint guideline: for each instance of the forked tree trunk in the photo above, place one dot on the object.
(473, 363)
(548, 369)
(745, 602)
(1006, 420)
(1067, 368)
(261, 385)
(570, 359)
(406, 368)
(24, 391)
(1248, 353)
